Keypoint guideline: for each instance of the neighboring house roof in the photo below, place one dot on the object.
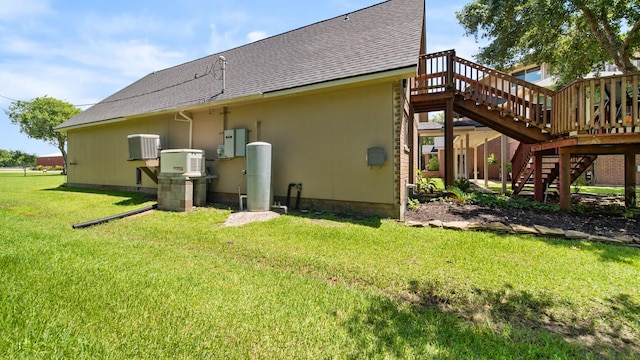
(384, 37)
(50, 155)
(440, 125)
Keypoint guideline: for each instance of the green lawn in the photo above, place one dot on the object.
(174, 285)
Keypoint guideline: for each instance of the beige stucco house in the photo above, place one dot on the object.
(322, 95)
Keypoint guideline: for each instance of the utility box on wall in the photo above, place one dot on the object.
(235, 142)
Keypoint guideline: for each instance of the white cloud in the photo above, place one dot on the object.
(223, 41)
(131, 58)
(29, 80)
(16, 11)
(256, 35)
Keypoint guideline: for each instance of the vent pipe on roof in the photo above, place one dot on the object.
(224, 72)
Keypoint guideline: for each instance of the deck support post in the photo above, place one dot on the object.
(485, 169)
(565, 181)
(630, 179)
(475, 163)
(503, 162)
(538, 185)
(449, 166)
(467, 157)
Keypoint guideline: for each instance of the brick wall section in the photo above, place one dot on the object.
(404, 145)
(609, 170)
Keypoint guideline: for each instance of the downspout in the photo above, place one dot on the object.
(186, 118)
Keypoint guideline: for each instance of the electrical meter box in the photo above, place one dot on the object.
(235, 142)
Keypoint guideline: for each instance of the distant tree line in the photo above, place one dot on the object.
(17, 158)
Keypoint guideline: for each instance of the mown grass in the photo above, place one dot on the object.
(171, 285)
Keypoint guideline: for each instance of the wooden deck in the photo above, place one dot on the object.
(562, 131)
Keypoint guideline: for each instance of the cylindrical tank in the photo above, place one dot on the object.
(259, 184)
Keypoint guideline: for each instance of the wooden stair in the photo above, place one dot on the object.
(524, 170)
(512, 106)
(576, 123)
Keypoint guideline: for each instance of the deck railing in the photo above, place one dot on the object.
(598, 105)
(444, 71)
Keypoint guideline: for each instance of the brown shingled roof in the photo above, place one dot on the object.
(380, 38)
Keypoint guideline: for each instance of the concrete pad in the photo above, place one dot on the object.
(414, 224)
(246, 217)
(624, 239)
(604, 239)
(477, 227)
(498, 227)
(435, 223)
(545, 231)
(456, 225)
(572, 234)
(521, 229)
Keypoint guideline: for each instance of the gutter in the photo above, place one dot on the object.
(397, 74)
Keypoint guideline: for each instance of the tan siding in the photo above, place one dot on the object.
(98, 155)
(319, 140)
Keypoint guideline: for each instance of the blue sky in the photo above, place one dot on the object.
(83, 51)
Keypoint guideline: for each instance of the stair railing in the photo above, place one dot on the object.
(519, 99)
(520, 162)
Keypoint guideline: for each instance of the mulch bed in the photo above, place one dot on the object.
(600, 215)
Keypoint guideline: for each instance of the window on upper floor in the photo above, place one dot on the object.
(531, 75)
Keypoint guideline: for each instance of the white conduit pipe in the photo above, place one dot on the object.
(190, 121)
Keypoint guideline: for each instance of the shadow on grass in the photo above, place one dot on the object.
(132, 198)
(606, 252)
(362, 220)
(370, 221)
(431, 321)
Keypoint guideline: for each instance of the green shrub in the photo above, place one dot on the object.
(458, 195)
(424, 184)
(463, 184)
(413, 203)
(434, 164)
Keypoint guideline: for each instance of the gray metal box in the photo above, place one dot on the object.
(235, 142)
(376, 156)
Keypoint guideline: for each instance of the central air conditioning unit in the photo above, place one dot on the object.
(182, 162)
(143, 146)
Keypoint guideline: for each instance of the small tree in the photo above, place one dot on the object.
(10, 158)
(493, 161)
(39, 117)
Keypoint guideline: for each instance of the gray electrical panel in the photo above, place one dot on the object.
(235, 142)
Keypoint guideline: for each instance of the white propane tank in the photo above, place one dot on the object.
(259, 184)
